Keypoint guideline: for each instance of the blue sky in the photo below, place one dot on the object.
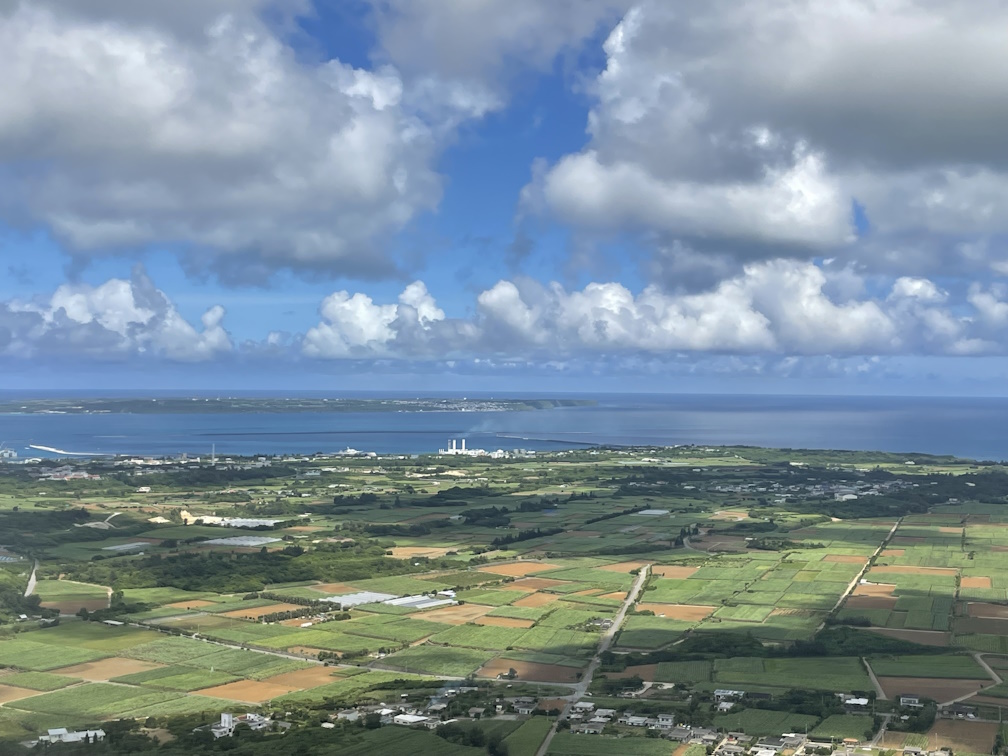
(591, 195)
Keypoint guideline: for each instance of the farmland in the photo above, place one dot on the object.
(398, 577)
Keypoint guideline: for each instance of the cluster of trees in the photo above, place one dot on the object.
(472, 736)
(524, 535)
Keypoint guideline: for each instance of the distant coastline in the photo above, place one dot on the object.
(273, 405)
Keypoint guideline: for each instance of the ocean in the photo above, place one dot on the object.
(967, 427)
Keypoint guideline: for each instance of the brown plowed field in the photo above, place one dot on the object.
(845, 558)
(408, 552)
(893, 552)
(504, 622)
(912, 569)
(193, 604)
(303, 679)
(874, 589)
(537, 599)
(106, 669)
(538, 584)
(923, 637)
(930, 687)
(519, 569)
(10, 693)
(260, 611)
(675, 571)
(962, 736)
(689, 612)
(615, 595)
(246, 691)
(530, 671)
(454, 615)
(982, 626)
(871, 602)
(976, 582)
(72, 606)
(980, 609)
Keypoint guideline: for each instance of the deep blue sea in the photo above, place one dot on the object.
(968, 427)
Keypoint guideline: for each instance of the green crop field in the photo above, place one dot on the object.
(684, 672)
(835, 674)
(42, 681)
(529, 736)
(438, 660)
(566, 744)
(763, 722)
(840, 726)
(39, 657)
(947, 666)
(95, 700)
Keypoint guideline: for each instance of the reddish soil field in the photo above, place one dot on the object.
(911, 569)
(537, 584)
(589, 592)
(246, 691)
(644, 671)
(874, 589)
(947, 529)
(871, 602)
(673, 571)
(993, 611)
(192, 604)
(304, 678)
(454, 615)
(893, 552)
(537, 599)
(930, 687)
(530, 671)
(962, 736)
(689, 612)
(504, 622)
(10, 693)
(519, 569)
(923, 637)
(106, 669)
(335, 589)
(976, 582)
(622, 566)
(845, 558)
(260, 611)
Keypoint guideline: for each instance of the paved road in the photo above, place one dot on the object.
(604, 643)
(881, 731)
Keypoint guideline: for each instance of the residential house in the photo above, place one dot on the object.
(588, 728)
(62, 735)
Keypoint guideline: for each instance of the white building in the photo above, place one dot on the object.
(62, 735)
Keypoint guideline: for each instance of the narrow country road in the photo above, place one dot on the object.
(604, 643)
(864, 570)
(31, 581)
(881, 731)
(987, 668)
(880, 694)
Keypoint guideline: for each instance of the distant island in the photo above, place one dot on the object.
(232, 405)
